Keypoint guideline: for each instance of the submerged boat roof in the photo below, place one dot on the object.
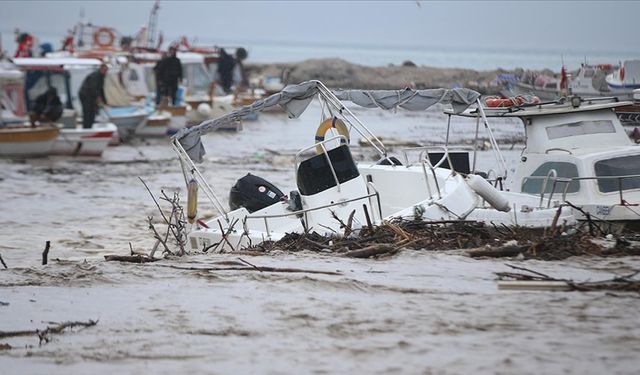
(545, 109)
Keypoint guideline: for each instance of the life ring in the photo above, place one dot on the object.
(331, 123)
(104, 37)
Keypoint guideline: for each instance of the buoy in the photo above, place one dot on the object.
(104, 37)
(331, 123)
(192, 200)
(490, 194)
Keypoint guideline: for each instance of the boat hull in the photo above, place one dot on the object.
(84, 142)
(27, 141)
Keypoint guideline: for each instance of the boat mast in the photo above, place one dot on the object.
(152, 27)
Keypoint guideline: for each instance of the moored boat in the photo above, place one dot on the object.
(27, 141)
(84, 142)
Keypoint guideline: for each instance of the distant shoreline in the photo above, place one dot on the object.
(338, 73)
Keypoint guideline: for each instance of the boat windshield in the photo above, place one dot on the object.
(580, 128)
(533, 184)
(620, 166)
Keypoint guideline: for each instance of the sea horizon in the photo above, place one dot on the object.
(439, 56)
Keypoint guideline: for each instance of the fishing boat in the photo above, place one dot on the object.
(626, 78)
(17, 137)
(577, 153)
(588, 81)
(26, 140)
(331, 189)
(84, 142)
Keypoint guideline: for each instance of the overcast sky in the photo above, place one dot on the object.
(571, 25)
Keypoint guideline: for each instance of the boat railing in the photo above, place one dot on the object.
(322, 145)
(427, 166)
(567, 183)
(304, 212)
(188, 166)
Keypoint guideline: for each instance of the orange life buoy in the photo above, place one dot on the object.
(104, 37)
(331, 123)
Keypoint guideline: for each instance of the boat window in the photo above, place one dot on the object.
(551, 85)
(580, 128)
(589, 73)
(621, 166)
(533, 184)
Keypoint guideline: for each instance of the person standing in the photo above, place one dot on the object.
(170, 75)
(158, 71)
(225, 71)
(91, 95)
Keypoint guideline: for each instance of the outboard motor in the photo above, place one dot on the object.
(253, 193)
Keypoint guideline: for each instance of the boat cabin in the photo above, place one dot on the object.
(576, 150)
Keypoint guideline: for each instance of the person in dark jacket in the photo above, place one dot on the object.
(47, 107)
(158, 71)
(170, 75)
(225, 71)
(91, 95)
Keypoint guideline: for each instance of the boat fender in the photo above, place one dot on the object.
(331, 123)
(490, 194)
(192, 200)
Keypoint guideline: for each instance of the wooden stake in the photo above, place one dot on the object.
(45, 253)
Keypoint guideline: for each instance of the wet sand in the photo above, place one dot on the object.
(417, 312)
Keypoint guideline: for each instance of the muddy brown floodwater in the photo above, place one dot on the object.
(416, 312)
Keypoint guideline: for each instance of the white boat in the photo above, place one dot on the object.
(588, 81)
(84, 142)
(27, 141)
(577, 152)
(127, 119)
(626, 78)
(330, 187)
(494, 206)
(17, 137)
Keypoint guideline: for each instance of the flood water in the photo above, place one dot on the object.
(416, 312)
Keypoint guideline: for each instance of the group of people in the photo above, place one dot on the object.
(168, 74)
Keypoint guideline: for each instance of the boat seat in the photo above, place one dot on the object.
(460, 160)
(314, 174)
(391, 160)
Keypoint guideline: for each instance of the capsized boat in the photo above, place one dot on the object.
(577, 152)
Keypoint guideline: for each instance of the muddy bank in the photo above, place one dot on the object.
(340, 73)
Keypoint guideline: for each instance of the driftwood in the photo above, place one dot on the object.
(45, 253)
(43, 334)
(251, 268)
(137, 258)
(176, 223)
(533, 280)
(371, 251)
